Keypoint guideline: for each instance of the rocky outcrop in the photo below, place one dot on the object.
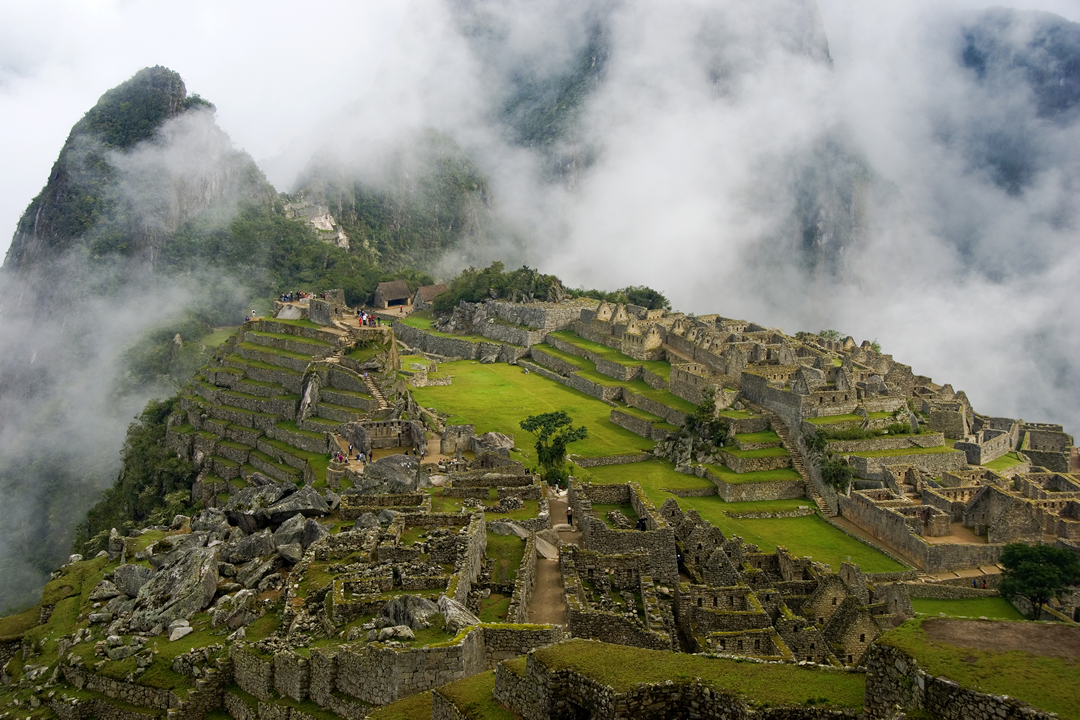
(178, 591)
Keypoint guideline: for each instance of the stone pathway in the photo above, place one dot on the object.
(548, 601)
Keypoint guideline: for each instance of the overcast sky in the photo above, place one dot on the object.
(272, 68)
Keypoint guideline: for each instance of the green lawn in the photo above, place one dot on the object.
(498, 397)
(810, 535)
(622, 667)
(653, 475)
(726, 474)
(410, 708)
(764, 452)
(903, 451)
(217, 336)
(832, 419)
(472, 697)
(995, 608)
(507, 551)
(423, 321)
(1048, 683)
(600, 510)
(758, 437)
(656, 367)
(1004, 462)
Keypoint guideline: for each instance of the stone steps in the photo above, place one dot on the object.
(797, 463)
(375, 392)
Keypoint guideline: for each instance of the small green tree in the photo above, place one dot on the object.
(834, 471)
(1037, 572)
(833, 335)
(703, 422)
(553, 431)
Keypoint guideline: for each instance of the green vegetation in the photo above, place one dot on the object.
(507, 551)
(472, 696)
(729, 476)
(494, 281)
(554, 431)
(811, 535)
(994, 608)
(657, 367)
(152, 488)
(622, 667)
(1037, 572)
(495, 397)
(903, 451)
(1004, 462)
(410, 708)
(1048, 683)
(835, 419)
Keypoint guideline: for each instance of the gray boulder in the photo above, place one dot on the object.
(251, 574)
(248, 548)
(307, 502)
(491, 441)
(391, 474)
(457, 615)
(179, 591)
(332, 499)
(291, 531)
(247, 509)
(291, 554)
(210, 520)
(104, 590)
(234, 611)
(387, 516)
(313, 532)
(367, 521)
(128, 579)
(412, 610)
(398, 632)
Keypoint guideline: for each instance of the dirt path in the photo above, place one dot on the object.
(548, 601)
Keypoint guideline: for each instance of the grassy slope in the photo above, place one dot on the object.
(994, 608)
(779, 685)
(1047, 683)
(498, 397)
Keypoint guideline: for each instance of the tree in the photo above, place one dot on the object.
(703, 422)
(1037, 572)
(553, 431)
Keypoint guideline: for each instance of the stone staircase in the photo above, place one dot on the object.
(781, 429)
(375, 392)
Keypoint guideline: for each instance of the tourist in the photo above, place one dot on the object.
(570, 516)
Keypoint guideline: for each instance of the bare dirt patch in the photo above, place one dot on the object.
(1049, 640)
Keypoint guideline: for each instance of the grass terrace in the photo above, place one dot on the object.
(472, 697)
(499, 396)
(297, 323)
(292, 338)
(995, 608)
(758, 437)
(726, 474)
(736, 414)
(835, 419)
(1049, 683)
(410, 708)
(764, 452)
(1004, 462)
(424, 321)
(622, 667)
(656, 367)
(903, 451)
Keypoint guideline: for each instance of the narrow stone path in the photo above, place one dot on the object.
(548, 601)
(375, 392)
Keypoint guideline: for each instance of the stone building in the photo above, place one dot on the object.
(392, 294)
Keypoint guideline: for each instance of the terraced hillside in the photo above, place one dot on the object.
(275, 400)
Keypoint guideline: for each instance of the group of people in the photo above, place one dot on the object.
(366, 319)
(297, 295)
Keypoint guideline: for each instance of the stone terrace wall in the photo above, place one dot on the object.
(894, 679)
(745, 492)
(541, 694)
(523, 584)
(443, 709)
(543, 316)
(888, 442)
(455, 347)
(252, 673)
(127, 692)
(636, 425)
(871, 468)
(894, 530)
(549, 361)
(941, 591)
(588, 462)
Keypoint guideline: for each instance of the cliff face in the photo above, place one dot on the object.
(144, 160)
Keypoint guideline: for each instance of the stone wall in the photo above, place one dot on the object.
(634, 424)
(894, 679)
(588, 462)
(894, 530)
(747, 492)
(671, 415)
(755, 464)
(942, 591)
(253, 673)
(871, 468)
(523, 584)
(127, 692)
(549, 361)
(543, 316)
(887, 442)
(451, 347)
